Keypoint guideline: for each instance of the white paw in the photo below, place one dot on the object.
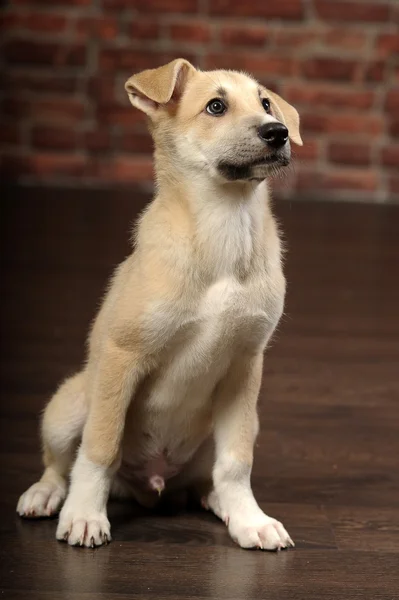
(211, 502)
(262, 532)
(42, 499)
(83, 528)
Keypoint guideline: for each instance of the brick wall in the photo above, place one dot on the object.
(66, 118)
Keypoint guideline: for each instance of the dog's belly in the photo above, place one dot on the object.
(170, 417)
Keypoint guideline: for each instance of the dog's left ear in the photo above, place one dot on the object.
(151, 89)
(288, 115)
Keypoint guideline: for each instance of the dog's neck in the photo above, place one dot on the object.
(224, 217)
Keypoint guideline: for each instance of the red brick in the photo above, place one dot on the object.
(55, 164)
(44, 165)
(317, 95)
(392, 102)
(52, 3)
(343, 11)
(283, 9)
(330, 68)
(114, 114)
(374, 71)
(270, 83)
(335, 37)
(97, 141)
(103, 28)
(33, 82)
(341, 120)
(136, 142)
(153, 6)
(62, 110)
(367, 125)
(390, 156)
(345, 39)
(117, 4)
(34, 22)
(44, 53)
(296, 37)
(315, 181)
(263, 63)
(54, 138)
(282, 186)
(144, 29)
(190, 31)
(309, 151)
(394, 128)
(46, 23)
(135, 60)
(101, 89)
(349, 153)
(68, 110)
(394, 184)
(362, 180)
(126, 169)
(309, 180)
(9, 133)
(235, 35)
(387, 44)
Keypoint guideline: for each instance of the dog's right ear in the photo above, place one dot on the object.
(151, 89)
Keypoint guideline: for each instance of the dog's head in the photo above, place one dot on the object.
(221, 122)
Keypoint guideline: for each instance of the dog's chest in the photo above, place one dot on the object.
(227, 319)
(231, 311)
(220, 297)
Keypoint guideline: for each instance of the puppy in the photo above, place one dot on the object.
(167, 399)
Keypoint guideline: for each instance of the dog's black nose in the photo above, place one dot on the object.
(274, 134)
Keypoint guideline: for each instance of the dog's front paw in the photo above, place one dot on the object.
(42, 499)
(83, 528)
(262, 532)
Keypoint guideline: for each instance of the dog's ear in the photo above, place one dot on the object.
(153, 88)
(288, 115)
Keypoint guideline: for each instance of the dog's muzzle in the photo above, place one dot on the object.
(257, 169)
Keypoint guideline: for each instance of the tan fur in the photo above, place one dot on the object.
(175, 354)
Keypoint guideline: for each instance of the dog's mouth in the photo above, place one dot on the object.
(234, 171)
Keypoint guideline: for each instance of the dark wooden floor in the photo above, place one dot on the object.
(327, 459)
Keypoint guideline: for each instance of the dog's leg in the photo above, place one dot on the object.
(62, 426)
(236, 427)
(196, 476)
(83, 519)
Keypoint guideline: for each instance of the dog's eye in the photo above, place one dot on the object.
(216, 107)
(266, 104)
